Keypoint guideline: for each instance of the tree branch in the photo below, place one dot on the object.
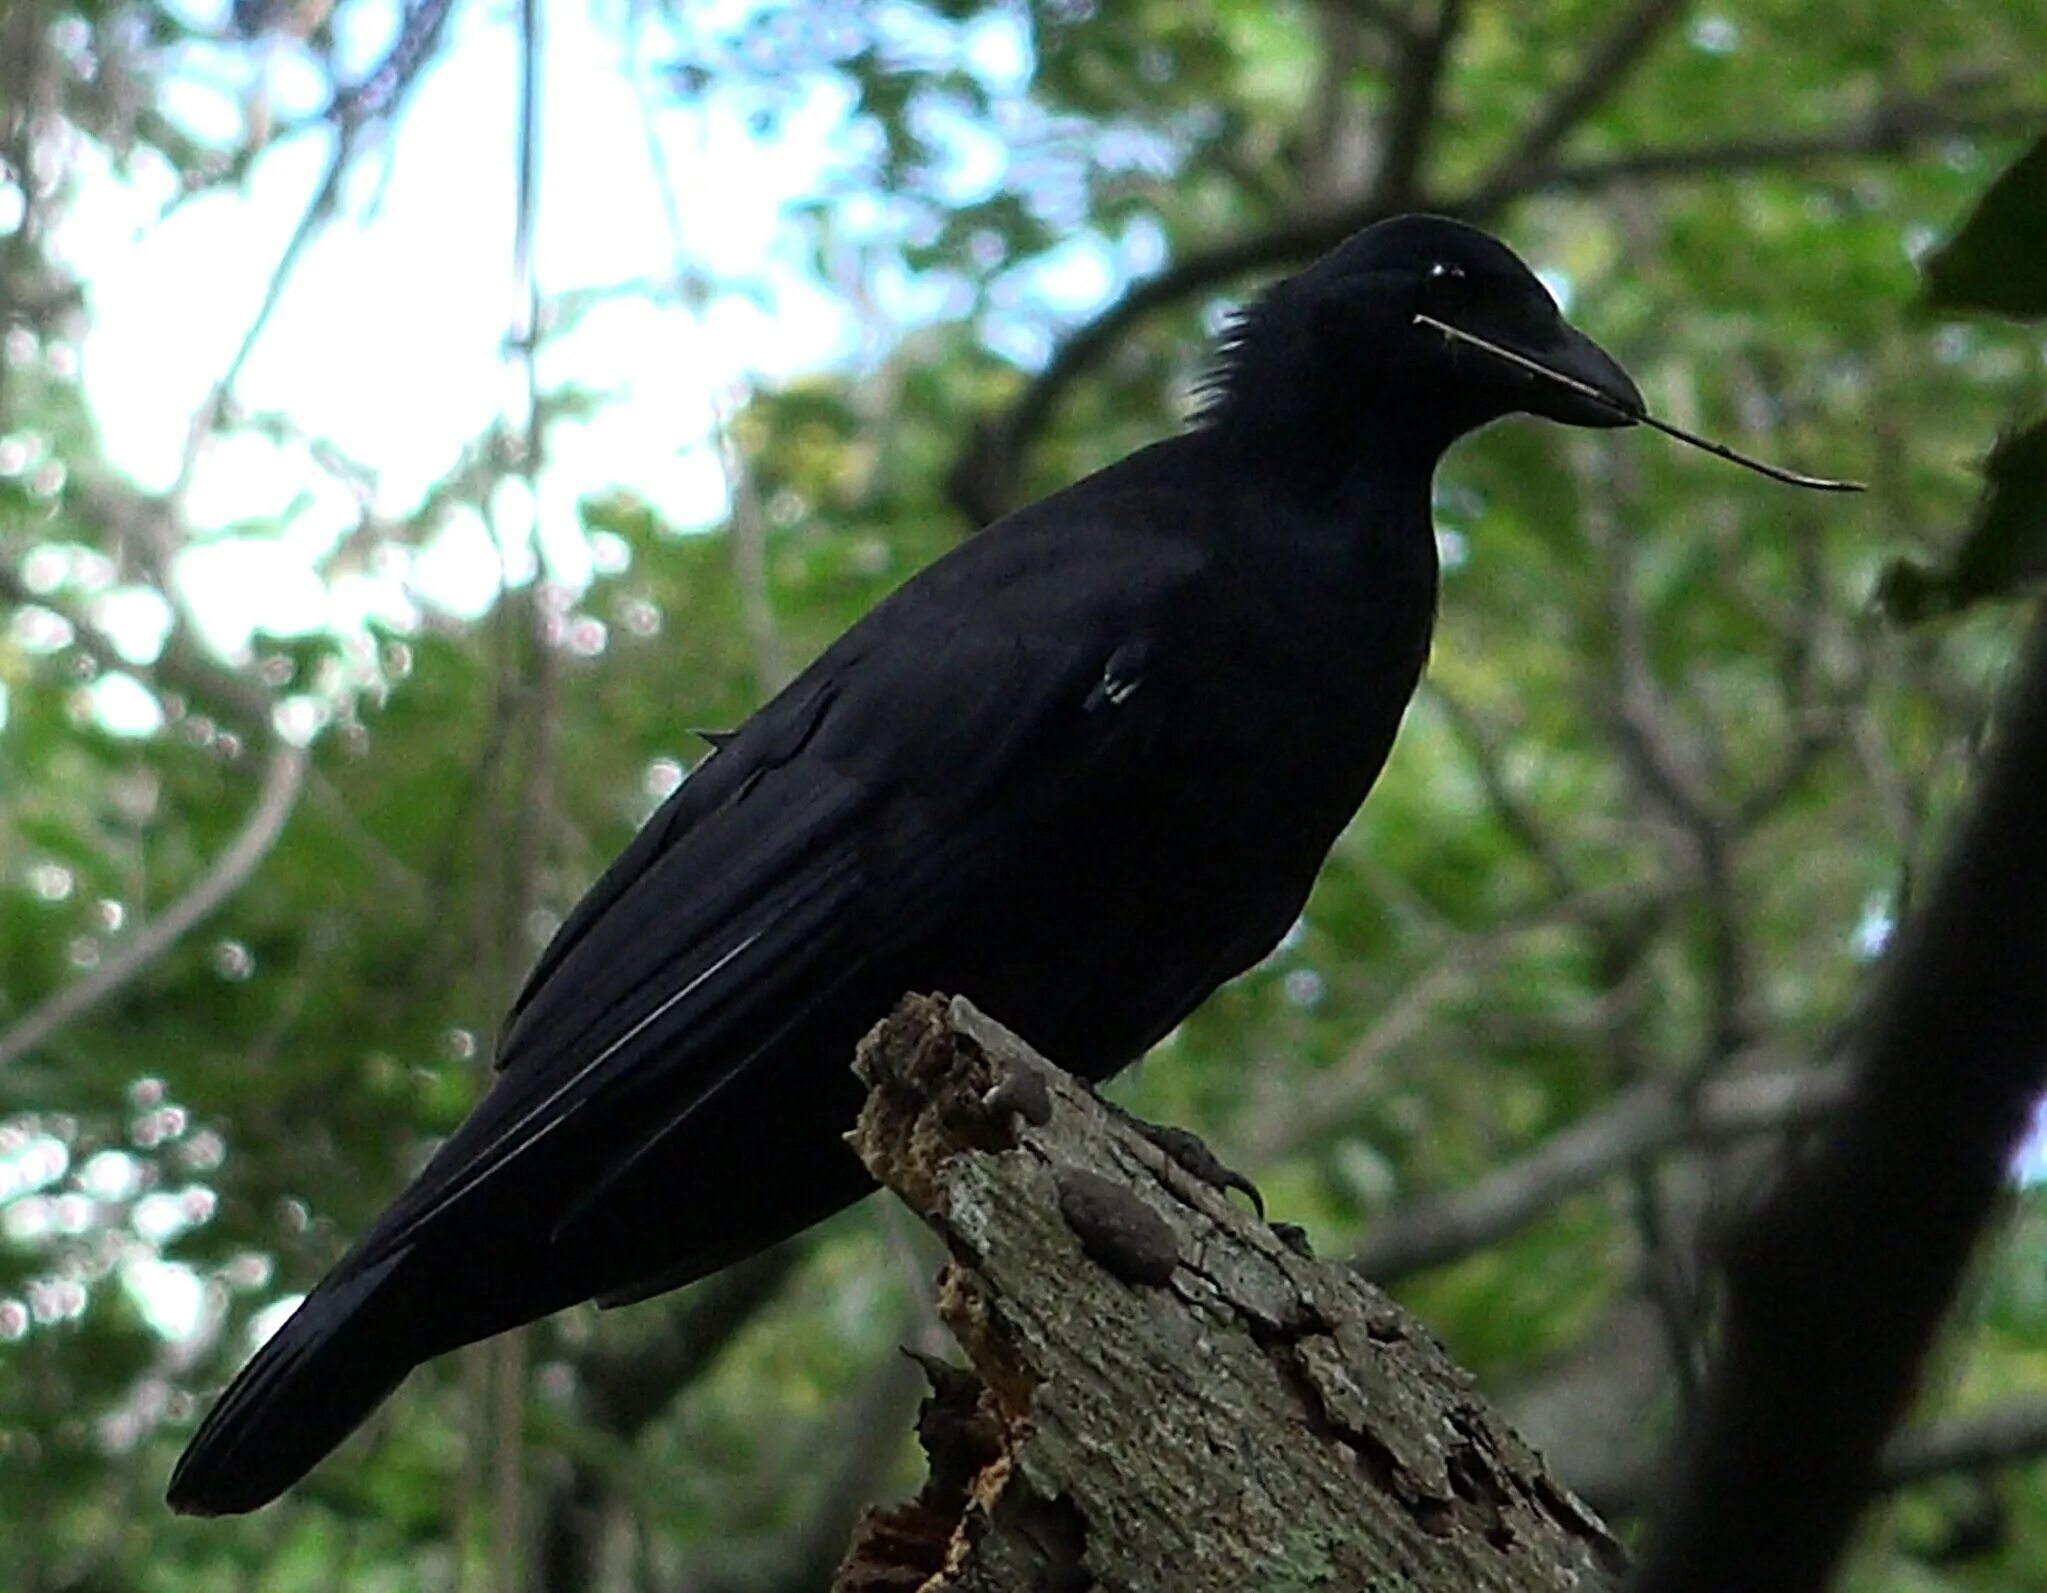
(1888, 130)
(1481, 748)
(1646, 1120)
(983, 480)
(282, 780)
(1999, 1436)
(1671, 767)
(1392, 20)
(1994, 1437)
(747, 543)
(1836, 1285)
(1165, 1393)
(1605, 67)
(1282, 1117)
(183, 666)
(1412, 115)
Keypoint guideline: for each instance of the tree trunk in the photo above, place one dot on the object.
(1163, 1392)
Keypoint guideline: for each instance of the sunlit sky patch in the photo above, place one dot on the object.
(387, 344)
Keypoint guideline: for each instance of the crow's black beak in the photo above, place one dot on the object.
(1566, 377)
(1588, 386)
(1572, 379)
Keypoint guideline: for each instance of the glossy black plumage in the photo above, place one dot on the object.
(1082, 770)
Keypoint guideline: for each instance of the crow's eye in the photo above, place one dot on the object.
(1446, 288)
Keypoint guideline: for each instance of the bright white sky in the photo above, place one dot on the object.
(388, 341)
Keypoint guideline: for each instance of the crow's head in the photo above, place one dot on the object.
(1386, 329)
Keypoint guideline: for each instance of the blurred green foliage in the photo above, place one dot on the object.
(1672, 781)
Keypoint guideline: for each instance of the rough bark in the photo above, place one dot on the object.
(1162, 1391)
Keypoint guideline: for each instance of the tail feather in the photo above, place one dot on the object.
(304, 1391)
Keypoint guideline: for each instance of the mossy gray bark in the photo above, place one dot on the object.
(1163, 1395)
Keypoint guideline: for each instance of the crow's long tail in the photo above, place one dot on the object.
(305, 1390)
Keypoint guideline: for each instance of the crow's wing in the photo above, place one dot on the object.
(833, 829)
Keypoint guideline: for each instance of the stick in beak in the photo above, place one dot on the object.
(1587, 390)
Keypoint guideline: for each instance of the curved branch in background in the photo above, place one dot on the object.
(1646, 1120)
(1605, 67)
(1282, 1118)
(233, 697)
(283, 779)
(1888, 130)
(1836, 1284)
(378, 95)
(1994, 1437)
(1417, 92)
(183, 665)
(983, 480)
(2001, 1435)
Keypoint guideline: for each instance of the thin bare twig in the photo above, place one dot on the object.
(1669, 1283)
(1284, 1117)
(1516, 818)
(394, 874)
(353, 113)
(377, 95)
(748, 543)
(1281, 1120)
(318, 212)
(1888, 130)
(283, 778)
(1670, 768)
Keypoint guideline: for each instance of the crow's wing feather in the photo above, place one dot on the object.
(741, 906)
(832, 829)
(767, 741)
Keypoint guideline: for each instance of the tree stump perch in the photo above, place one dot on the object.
(1162, 1394)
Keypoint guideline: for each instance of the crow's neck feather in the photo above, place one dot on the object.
(1288, 404)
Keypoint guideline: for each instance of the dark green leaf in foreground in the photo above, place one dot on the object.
(2005, 550)
(1997, 264)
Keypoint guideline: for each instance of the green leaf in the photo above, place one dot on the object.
(1995, 265)
(2004, 551)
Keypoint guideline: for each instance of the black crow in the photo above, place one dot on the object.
(1082, 770)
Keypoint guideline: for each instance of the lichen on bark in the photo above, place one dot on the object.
(1162, 1393)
